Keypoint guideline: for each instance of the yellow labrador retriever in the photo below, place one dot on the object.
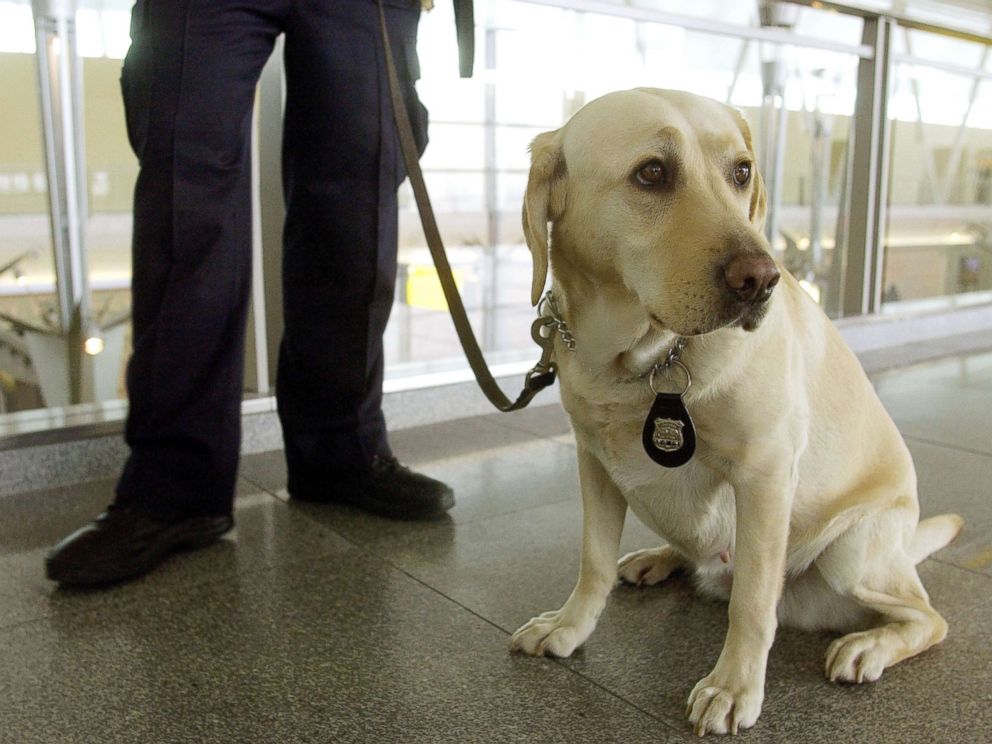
(799, 501)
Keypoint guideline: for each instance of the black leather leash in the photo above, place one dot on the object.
(465, 30)
(543, 373)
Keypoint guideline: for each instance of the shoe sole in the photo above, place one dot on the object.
(189, 535)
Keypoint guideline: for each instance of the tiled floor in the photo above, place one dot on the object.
(319, 624)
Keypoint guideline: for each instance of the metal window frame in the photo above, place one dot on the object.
(859, 276)
(60, 88)
(861, 290)
(859, 280)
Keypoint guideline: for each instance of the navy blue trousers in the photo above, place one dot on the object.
(189, 84)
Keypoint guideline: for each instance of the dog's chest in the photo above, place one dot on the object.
(691, 507)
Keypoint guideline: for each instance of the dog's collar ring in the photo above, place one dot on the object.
(667, 365)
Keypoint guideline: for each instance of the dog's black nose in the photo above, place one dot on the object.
(751, 277)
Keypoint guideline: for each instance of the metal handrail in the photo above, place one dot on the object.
(709, 26)
(902, 20)
(964, 71)
(779, 36)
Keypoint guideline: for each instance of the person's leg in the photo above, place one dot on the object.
(191, 75)
(189, 84)
(342, 167)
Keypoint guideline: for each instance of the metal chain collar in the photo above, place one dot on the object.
(555, 323)
(550, 321)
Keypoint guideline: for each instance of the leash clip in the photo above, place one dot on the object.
(542, 374)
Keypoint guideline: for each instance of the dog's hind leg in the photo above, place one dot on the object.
(908, 626)
(649, 567)
(874, 565)
(604, 508)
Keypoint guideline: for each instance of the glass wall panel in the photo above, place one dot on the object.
(112, 169)
(28, 303)
(535, 66)
(27, 297)
(104, 38)
(938, 242)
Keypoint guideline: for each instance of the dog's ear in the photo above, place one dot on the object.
(543, 202)
(756, 211)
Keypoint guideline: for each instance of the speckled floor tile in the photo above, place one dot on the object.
(499, 479)
(544, 421)
(460, 437)
(972, 371)
(343, 650)
(643, 641)
(266, 532)
(952, 415)
(651, 645)
(956, 481)
(417, 446)
(320, 623)
(943, 695)
(533, 553)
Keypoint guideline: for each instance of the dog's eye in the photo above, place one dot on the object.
(652, 174)
(742, 173)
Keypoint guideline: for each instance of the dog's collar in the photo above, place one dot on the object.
(548, 308)
(669, 436)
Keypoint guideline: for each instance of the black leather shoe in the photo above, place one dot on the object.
(387, 489)
(124, 543)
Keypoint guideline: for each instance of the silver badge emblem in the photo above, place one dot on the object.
(668, 434)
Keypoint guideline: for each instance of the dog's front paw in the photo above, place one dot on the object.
(648, 567)
(550, 634)
(723, 706)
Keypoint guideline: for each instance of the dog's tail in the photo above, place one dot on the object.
(934, 533)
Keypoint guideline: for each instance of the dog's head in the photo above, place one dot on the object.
(656, 191)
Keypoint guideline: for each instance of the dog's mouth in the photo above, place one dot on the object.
(752, 316)
(699, 329)
(748, 318)
(663, 326)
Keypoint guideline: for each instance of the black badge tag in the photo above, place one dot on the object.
(669, 437)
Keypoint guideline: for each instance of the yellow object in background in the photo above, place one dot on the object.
(423, 288)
